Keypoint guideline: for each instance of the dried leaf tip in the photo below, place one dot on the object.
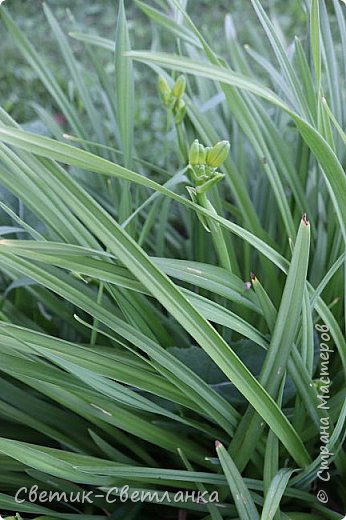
(253, 277)
(218, 444)
(305, 220)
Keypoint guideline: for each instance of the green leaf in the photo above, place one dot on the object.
(75, 72)
(274, 494)
(124, 84)
(93, 39)
(179, 30)
(282, 340)
(241, 495)
(315, 39)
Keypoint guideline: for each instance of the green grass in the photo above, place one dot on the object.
(160, 301)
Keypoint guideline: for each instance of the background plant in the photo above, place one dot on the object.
(132, 334)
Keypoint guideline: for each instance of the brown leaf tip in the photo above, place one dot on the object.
(253, 277)
(305, 220)
(218, 444)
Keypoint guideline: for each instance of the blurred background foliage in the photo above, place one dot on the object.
(20, 87)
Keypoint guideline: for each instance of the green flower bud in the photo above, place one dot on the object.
(194, 152)
(217, 155)
(202, 155)
(180, 110)
(163, 86)
(165, 92)
(179, 87)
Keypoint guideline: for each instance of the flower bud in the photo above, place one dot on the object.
(165, 91)
(202, 155)
(217, 155)
(180, 110)
(194, 153)
(179, 87)
(163, 86)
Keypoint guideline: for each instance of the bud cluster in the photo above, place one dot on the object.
(204, 161)
(172, 98)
